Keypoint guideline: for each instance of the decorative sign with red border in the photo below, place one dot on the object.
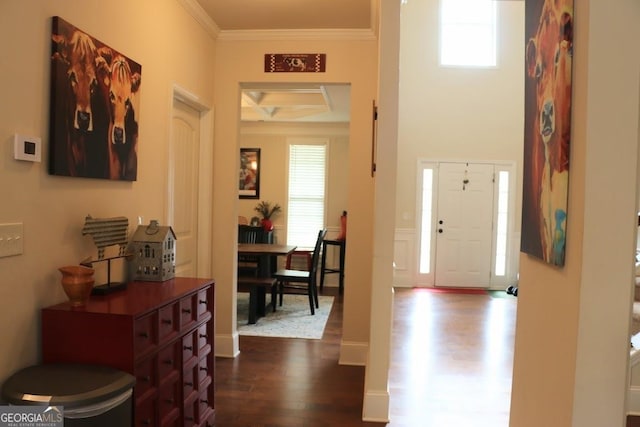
(294, 62)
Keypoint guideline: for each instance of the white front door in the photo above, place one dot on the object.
(183, 172)
(463, 225)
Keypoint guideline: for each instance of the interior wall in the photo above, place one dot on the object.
(53, 208)
(455, 114)
(272, 139)
(239, 61)
(572, 331)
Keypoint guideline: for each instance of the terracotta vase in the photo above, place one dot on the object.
(77, 282)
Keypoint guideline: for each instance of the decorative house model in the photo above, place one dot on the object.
(153, 248)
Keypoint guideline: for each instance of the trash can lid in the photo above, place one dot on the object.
(69, 385)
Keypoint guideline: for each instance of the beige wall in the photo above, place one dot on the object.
(172, 49)
(272, 139)
(450, 113)
(572, 331)
(349, 61)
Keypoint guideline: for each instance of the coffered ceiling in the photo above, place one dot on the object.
(293, 102)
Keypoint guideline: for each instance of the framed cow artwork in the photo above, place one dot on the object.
(548, 89)
(94, 107)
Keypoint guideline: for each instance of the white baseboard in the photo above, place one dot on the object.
(633, 401)
(227, 345)
(353, 353)
(375, 407)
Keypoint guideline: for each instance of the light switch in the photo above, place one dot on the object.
(26, 148)
(11, 239)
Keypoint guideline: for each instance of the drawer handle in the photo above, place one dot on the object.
(169, 401)
(188, 384)
(144, 335)
(146, 378)
(186, 310)
(187, 347)
(168, 362)
(203, 301)
(203, 368)
(203, 336)
(146, 422)
(205, 401)
(188, 418)
(167, 321)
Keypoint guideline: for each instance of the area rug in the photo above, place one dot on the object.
(291, 320)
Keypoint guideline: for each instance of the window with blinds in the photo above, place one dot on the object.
(306, 203)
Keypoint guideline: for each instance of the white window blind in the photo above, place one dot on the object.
(306, 204)
(468, 33)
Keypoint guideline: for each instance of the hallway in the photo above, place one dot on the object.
(451, 366)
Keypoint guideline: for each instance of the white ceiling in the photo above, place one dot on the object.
(289, 14)
(289, 102)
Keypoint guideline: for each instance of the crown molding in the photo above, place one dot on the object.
(321, 34)
(197, 12)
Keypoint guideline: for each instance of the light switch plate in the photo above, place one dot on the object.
(11, 239)
(26, 148)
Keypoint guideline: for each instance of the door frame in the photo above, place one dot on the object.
(205, 177)
(496, 282)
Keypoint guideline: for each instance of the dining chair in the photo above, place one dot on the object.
(298, 281)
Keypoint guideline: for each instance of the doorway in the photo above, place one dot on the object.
(465, 213)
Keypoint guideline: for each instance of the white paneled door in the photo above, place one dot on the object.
(464, 225)
(183, 185)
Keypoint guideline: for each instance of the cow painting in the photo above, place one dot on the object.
(549, 55)
(94, 103)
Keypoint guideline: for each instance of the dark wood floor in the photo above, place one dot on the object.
(451, 366)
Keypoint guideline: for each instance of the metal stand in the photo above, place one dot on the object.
(108, 287)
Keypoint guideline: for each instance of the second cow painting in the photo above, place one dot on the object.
(548, 89)
(95, 94)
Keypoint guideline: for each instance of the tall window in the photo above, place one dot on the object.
(468, 33)
(306, 204)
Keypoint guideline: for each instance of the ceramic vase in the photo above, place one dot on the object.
(267, 224)
(77, 282)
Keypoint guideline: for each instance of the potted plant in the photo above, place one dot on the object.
(266, 210)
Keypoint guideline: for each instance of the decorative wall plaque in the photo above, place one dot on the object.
(295, 62)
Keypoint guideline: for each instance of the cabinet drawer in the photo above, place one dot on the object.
(203, 334)
(187, 311)
(188, 347)
(146, 377)
(205, 368)
(168, 326)
(145, 336)
(205, 403)
(169, 360)
(146, 413)
(190, 411)
(204, 302)
(169, 401)
(188, 381)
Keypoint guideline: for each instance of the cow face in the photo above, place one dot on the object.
(82, 78)
(548, 58)
(122, 85)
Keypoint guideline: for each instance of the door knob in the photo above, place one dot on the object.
(439, 230)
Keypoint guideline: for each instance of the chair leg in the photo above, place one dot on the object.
(311, 302)
(281, 291)
(314, 289)
(274, 296)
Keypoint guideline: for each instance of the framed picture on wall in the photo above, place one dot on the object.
(94, 110)
(249, 173)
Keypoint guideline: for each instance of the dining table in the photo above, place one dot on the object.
(267, 253)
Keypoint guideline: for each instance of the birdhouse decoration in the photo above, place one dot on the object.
(154, 253)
